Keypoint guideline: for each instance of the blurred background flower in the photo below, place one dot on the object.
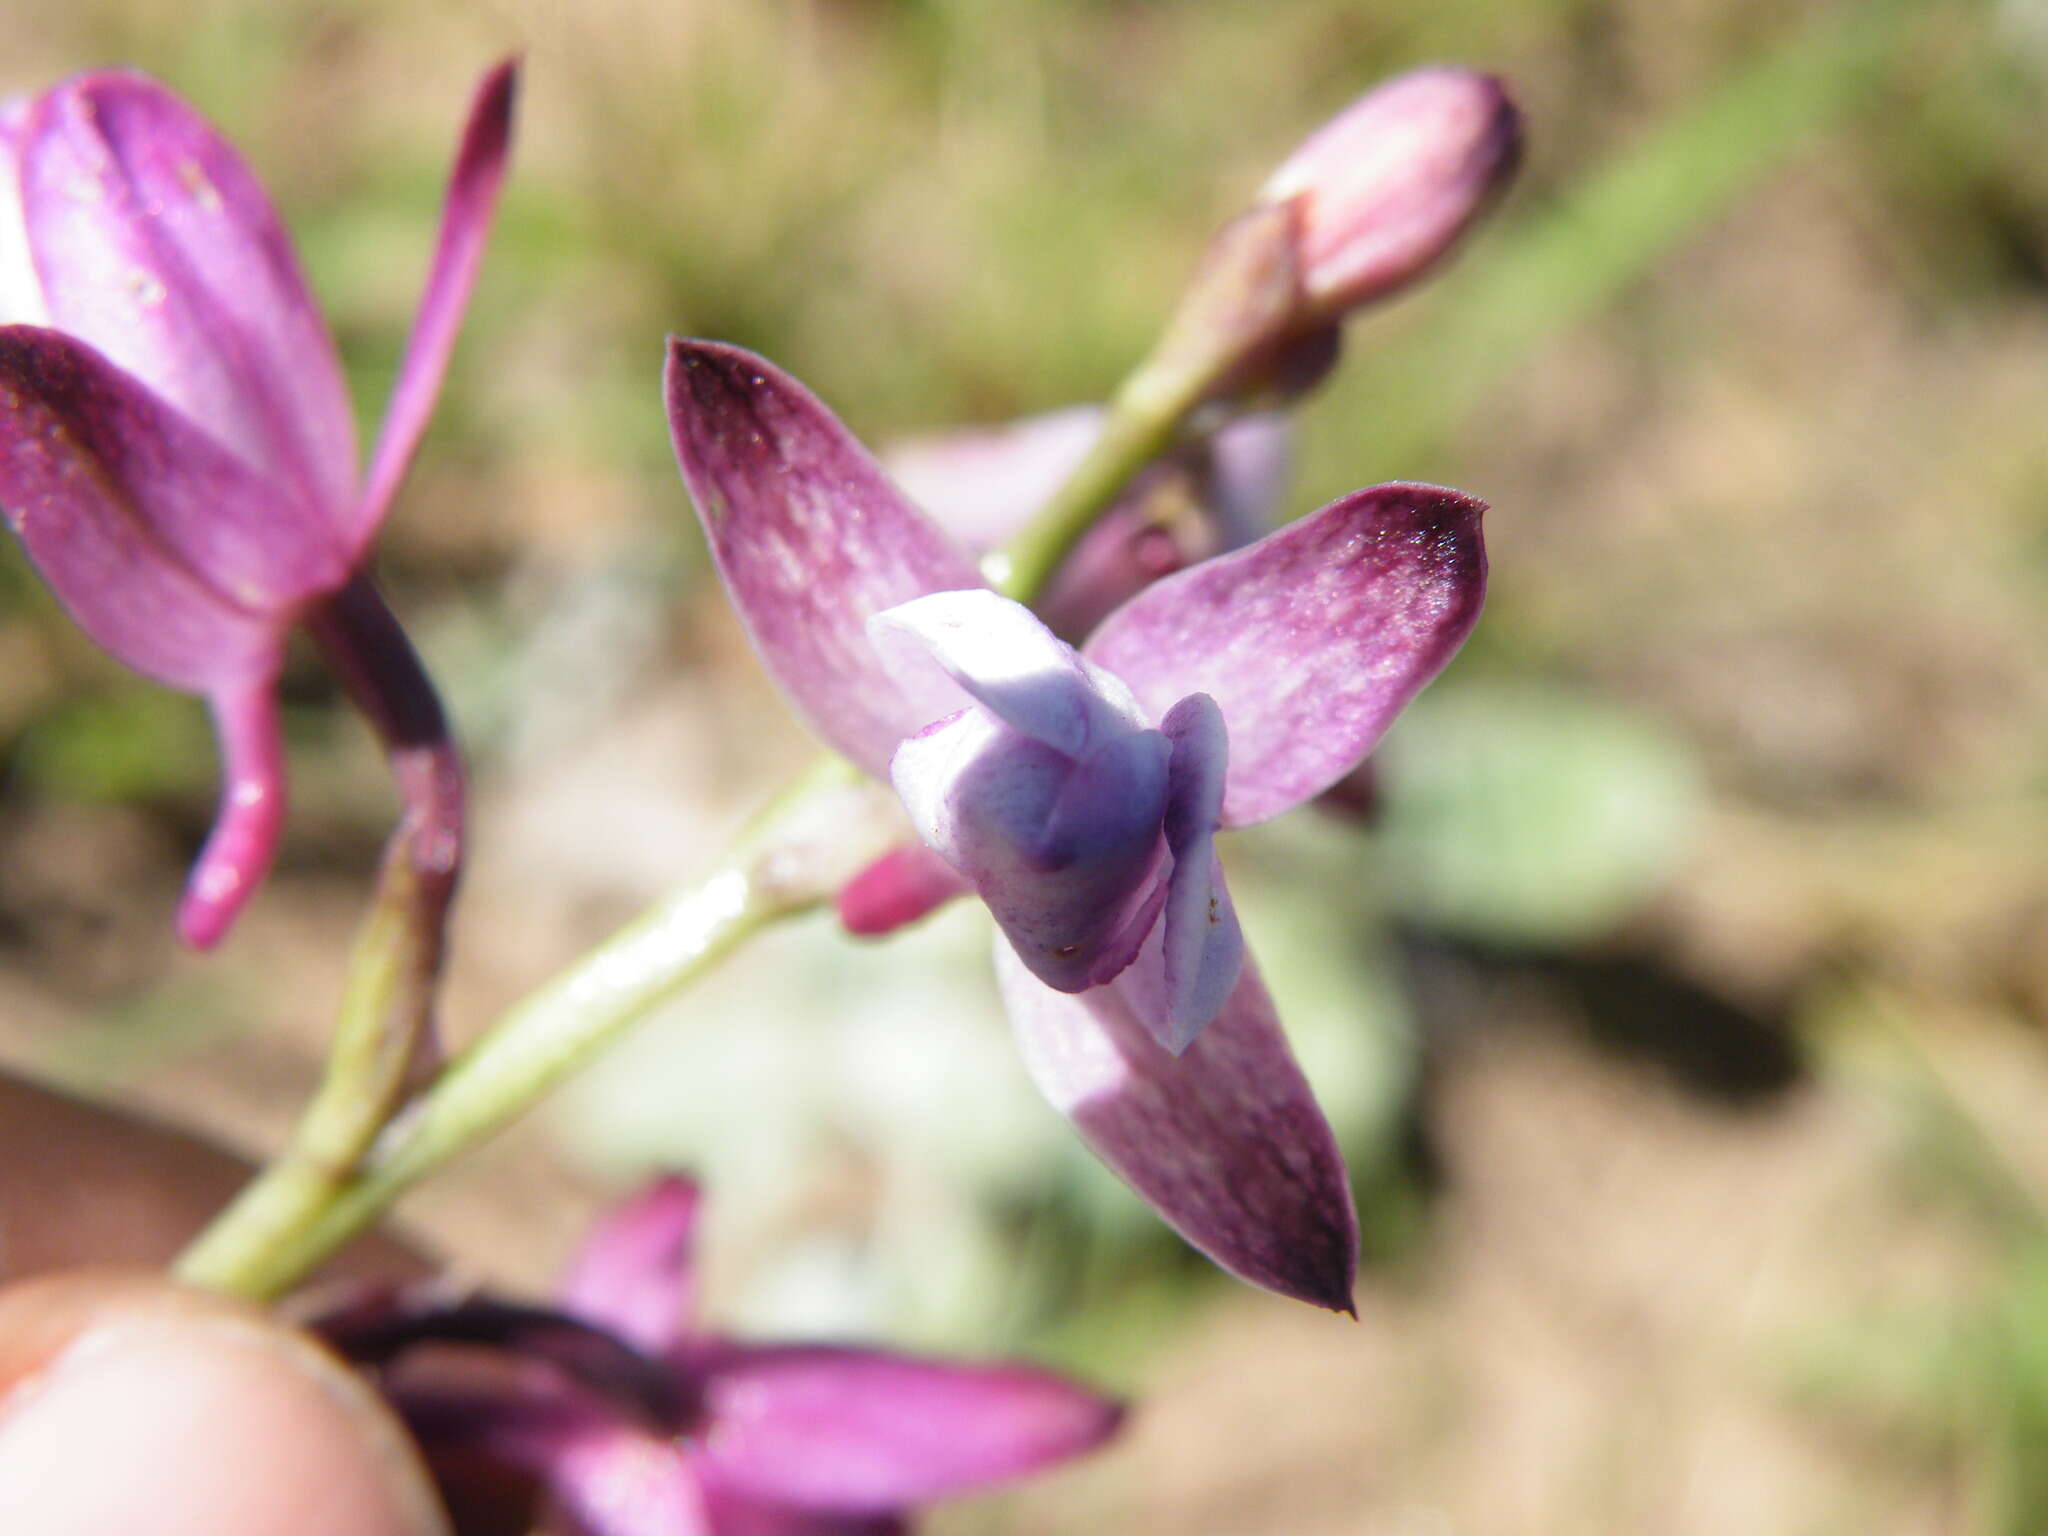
(1682, 1011)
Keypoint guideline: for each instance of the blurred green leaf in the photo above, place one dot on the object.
(1526, 814)
(125, 743)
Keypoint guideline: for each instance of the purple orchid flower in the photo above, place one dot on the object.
(629, 1421)
(1078, 792)
(176, 447)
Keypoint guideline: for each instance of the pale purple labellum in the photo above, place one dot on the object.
(1079, 794)
(1384, 189)
(1046, 792)
(741, 1440)
(176, 447)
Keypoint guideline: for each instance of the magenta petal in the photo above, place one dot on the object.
(166, 548)
(855, 1431)
(900, 887)
(635, 1274)
(734, 1514)
(238, 851)
(21, 291)
(1313, 639)
(465, 223)
(603, 1475)
(628, 1484)
(810, 538)
(156, 244)
(1226, 1143)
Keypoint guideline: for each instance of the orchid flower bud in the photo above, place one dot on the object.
(1384, 189)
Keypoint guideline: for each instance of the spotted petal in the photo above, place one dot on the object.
(164, 545)
(1225, 1142)
(155, 243)
(1311, 640)
(811, 540)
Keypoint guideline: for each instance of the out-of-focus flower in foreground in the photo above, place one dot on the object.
(1078, 792)
(629, 1421)
(176, 447)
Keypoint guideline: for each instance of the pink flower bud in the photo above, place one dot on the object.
(1387, 185)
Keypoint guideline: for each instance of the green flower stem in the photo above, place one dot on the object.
(324, 1191)
(1143, 421)
(297, 1213)
(365, 1081)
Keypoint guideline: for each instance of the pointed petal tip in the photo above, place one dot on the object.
(469, 209)
(810, 538)
(1226, 1143)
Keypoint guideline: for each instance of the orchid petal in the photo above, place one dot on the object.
(166, 548)
(810, 538)
(465, 224)
(1312, 640)
(984, 484)
(898, 888)
(1201, 948)
(635, 1274)
(1250, 462)
(1007, 661)
(246, 829)
(155, 243)
(734, 1514)
(1226, 1142)
(1062, 852)
(628, 1484)
(604, 1475)
(21, 291)
(854, 1431)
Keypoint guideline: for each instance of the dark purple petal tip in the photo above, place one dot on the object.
(1225, 1142)
(810, 537)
